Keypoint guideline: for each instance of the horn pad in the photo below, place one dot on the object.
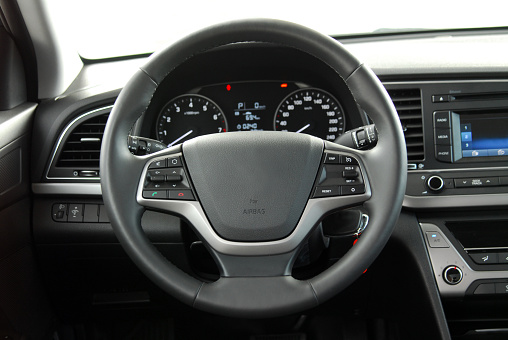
(253, 186)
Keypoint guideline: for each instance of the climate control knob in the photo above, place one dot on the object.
(435, 183)
(452, 275)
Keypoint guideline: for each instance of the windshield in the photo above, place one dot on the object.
(111, 28)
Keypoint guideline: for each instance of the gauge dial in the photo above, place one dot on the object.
(311, 111)
(189, 116)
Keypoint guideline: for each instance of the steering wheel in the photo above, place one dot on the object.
(253, 198)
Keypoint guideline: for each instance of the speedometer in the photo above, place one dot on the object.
(189, 116)
(312, 111)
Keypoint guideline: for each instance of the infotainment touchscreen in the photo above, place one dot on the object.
(480, 134)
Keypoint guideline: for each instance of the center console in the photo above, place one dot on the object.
(458, 188)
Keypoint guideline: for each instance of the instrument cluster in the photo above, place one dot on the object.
(250, 106)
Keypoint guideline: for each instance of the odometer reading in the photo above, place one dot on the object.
(311, 111)
(189, 116)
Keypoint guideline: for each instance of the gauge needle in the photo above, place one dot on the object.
(302, 129)
(180, 138)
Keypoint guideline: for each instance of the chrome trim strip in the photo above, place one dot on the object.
(487, 248)
(444, 257)
(476, 81)
(86, 189)
(487, 200)
(461, 169)
(62, 135)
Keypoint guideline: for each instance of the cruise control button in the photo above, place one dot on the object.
(353, 189)
(327, 191)
(185, 194)
(157, 164)
(348, 160)
(159, 194)
(484, 258)
(174, 162)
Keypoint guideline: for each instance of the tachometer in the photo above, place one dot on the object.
(189, 116)
(312, 111)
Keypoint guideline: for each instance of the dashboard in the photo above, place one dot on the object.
(455, 126)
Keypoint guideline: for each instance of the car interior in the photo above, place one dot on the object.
(256, 179)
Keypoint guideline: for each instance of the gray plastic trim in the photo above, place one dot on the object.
(67, 129)
(444, 257)
(15, 122)
(487, 200)
(86, 189)
(194, 214)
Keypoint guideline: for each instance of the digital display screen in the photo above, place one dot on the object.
(249, 106)
(484, 134)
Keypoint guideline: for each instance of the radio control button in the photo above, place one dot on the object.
(442, 120)
(435, 183)
(444, 153)
(440, 98)
(443, 137)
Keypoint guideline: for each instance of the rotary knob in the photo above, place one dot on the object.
(435, 183)
(452, 275)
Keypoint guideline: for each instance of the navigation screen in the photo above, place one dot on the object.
(484, 135)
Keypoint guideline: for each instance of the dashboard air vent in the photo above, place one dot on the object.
(408, 103)
(83, 145)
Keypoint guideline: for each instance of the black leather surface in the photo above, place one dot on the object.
(253, 187)
(267, 296)
(256, 297)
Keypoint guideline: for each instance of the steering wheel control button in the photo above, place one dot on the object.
(185, 194)
(484, 258)
(331, 158)
(157, 164)
(327, 191)
(353, 189)
(436, 240)
(75, 213)
(350, 174)
(159, 194)
(348, 160)
(452, 275)
(174, 162)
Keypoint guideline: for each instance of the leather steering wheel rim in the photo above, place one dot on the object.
(254, 297)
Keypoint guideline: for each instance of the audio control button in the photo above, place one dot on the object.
(435, 183)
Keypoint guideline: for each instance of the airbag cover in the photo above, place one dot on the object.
(253, 186)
